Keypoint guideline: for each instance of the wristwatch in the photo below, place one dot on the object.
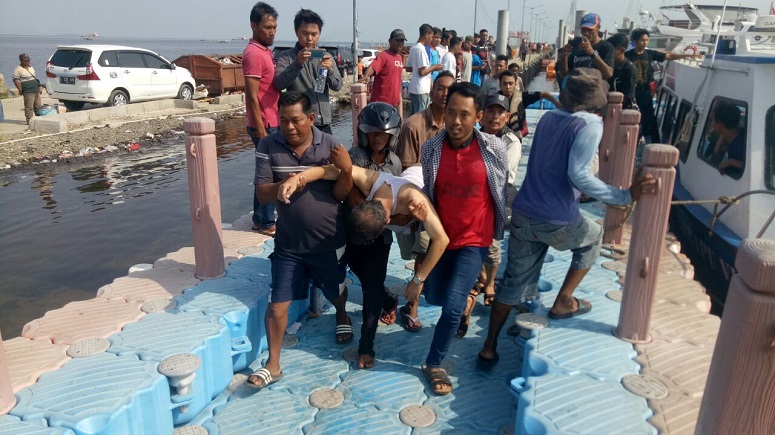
(595, 53)
(417, 280)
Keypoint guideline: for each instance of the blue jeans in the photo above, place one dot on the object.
(419, 102)
(263, 215)
(448, 286)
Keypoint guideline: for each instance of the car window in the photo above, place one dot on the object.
(108, 59)
(769, 146)
(723, 144)
(155, 62)
(131, 59)
(71, 58)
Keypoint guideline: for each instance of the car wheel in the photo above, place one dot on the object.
(186, 92)
(72, 106)
(118, 98)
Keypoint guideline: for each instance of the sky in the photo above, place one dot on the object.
(226, 19)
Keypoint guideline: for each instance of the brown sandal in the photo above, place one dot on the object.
(438, 379)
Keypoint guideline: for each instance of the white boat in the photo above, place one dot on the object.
(738, 70)
(681, 26)
(91, 36)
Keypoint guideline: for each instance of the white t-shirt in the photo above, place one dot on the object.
(418, 58)
(442, 50)
(449, 63)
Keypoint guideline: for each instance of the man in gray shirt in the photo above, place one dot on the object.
(296, 70)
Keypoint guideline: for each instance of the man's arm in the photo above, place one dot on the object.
(366, 75)
(563, 60)
(425, 70)
(286, 71)
(582, 152)
(252, 85)
(439, 242)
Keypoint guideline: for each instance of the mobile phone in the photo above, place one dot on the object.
(317, 53)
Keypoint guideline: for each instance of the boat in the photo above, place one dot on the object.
(91, 36)
(738, 70)
(680, 26)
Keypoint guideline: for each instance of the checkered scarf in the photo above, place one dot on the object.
(494, 154)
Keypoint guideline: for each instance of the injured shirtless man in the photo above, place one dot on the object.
(390, 202)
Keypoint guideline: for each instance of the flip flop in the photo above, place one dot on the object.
(406, 318)
(488, 361)
(437, 378)
(584, 307)
(345, 329)
(265, 376)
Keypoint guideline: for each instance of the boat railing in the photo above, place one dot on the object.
(728, 202)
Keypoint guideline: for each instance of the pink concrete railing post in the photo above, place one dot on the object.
(739, 395)
(610, 126)
(648, 237)
(7, 399)
(358, 101)
(204, 192)
(619, 168)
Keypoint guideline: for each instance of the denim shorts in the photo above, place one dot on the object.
(291, 274)
(529, 241)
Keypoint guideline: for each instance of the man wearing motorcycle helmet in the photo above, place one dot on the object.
(378, 128)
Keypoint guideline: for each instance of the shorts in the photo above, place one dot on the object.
(528, 243)
(291, 274)
(413, 244)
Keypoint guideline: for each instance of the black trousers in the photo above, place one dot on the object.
(369, 263)
(648, 121)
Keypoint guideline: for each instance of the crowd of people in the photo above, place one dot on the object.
(442, 182)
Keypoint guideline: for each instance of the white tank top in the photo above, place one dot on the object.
(395, 183)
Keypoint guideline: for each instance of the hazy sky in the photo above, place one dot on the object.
(212, 19)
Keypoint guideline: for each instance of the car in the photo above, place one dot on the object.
(341, 57)
(113, 75)
(368, 57)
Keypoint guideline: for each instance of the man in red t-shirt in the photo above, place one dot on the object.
(464, 171)
(387, 70)
(261, 96)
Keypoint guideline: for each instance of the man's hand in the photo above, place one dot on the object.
(566, 50)
(419, 210)
(303, 56)
(364, 80)
(327, 62)
(586, 46)
(340, 158)
(643, 184)
(413, 291)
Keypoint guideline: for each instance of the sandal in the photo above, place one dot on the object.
(265, 376)
(415, 325)
(345, 329)
(465, 319)
(584, 307)
(389, 317)
(438, 379)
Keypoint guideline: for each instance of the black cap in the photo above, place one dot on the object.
(398, 34)
(24, 56)
(498, 99)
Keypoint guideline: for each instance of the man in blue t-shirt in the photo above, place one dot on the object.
(546, 210)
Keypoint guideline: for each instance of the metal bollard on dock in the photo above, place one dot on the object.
(620, 167)
(739, 395)
(7, 399)
(204, 192)
(608, 143)
(358, 101)
(648, 236)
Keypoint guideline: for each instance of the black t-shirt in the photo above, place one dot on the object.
(623, 81)
(643, 64)
(580, 59)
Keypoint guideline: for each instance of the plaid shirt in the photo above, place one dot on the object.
(494, 154)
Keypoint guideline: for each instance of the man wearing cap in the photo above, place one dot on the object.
(546, 210)
(28, 86)
(591, 52)
(387, 69)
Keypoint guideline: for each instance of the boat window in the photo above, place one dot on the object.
(668, 121)
(684, 129)
(723, 144)
(769, 146)
(665, 98)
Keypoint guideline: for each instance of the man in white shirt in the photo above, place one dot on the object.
(468, 62)
(420, 66)
(448, 62)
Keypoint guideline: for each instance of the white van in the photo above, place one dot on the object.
(113, 75)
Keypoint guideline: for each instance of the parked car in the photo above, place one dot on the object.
(113, 75)
(341, 57)
(368, 57)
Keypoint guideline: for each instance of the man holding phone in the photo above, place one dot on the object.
(299, 68)
(588, 50)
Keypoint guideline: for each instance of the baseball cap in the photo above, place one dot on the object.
(590, 20)
(398, 34)
(24, 56)
(498, 99)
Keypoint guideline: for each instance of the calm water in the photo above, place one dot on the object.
(69, 229)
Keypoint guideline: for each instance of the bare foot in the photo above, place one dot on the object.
(365, 361)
